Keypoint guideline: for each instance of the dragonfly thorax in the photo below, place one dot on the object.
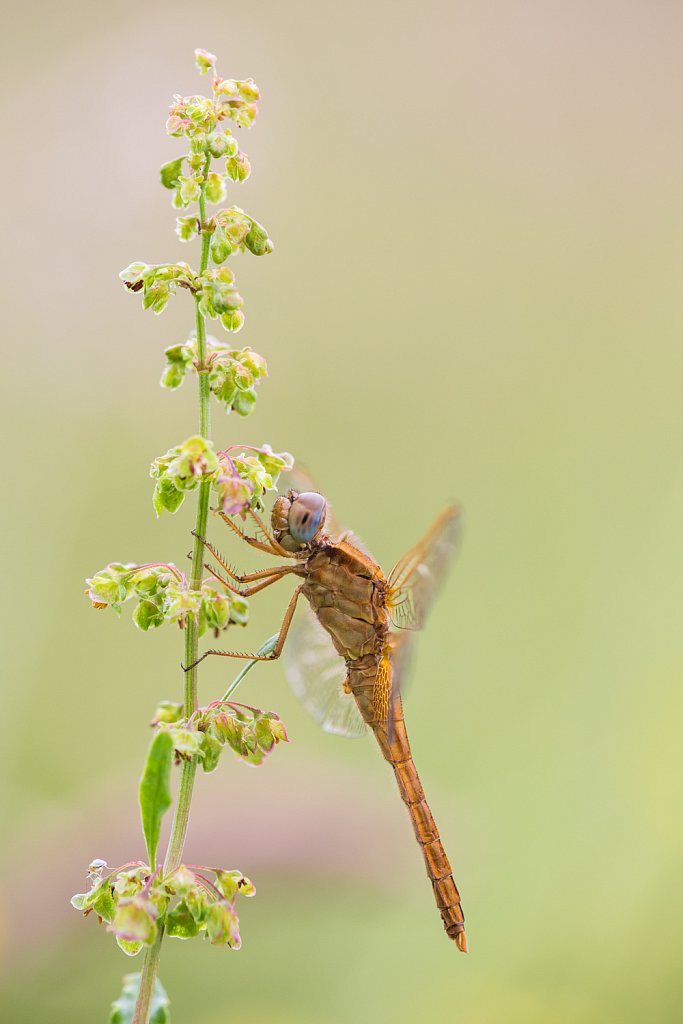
(298, 519)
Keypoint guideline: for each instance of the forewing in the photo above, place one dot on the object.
(416, 578)
(316, 674)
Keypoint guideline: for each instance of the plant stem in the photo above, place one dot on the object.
(150, 966)
(181, 816)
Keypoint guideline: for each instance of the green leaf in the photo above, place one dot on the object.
(148, 615)
(170, 172)
(220, 246)
(257, 240)
(156, 297)
(180, 923)
(267, 648)
(99, 899)
(210, 752)
(244, 402)
(222, 925)
(214, 188)
(104, 905)
(233, 321)
(172, 377)
(129, 948)
(155, 791)
(264, 736)
(239, 611)
(238, 167)
(135, 921)
(166, 497)
(187, 228)
(123, 1008)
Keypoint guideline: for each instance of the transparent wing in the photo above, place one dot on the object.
(416, 578)
(316, 674)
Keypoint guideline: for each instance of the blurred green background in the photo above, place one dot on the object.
(475, 294)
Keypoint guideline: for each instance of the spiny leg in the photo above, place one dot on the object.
(248, 577)
(277, 650)
(265, 581)
(269, 548)
(277, 547)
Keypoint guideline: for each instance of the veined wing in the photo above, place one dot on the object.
(417, 577)
(392, 672)
(316, 674)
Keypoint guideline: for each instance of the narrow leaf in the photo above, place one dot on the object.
(267, 648)
(155, 790)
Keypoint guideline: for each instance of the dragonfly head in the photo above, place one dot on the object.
(298, 518)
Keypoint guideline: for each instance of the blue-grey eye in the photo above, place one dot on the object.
(306, 516)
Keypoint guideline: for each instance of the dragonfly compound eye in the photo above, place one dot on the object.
(307, 516)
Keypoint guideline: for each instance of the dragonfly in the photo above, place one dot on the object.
(349, 654)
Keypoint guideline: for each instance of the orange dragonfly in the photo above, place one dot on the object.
(349, 654)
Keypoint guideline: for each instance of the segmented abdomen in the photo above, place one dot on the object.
(397, 752)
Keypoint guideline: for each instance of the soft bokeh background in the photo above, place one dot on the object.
(475, 293)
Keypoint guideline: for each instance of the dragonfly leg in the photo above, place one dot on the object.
(265, 578)
(277, 650)
(248, 577)
(277, 547)
(270, 548)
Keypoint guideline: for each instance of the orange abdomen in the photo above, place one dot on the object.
(397, 752)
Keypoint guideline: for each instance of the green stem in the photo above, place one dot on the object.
(181, 816)
(150, 966)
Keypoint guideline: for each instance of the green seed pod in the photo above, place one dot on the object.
(220, 246)
(244, 402)
(238, 167)
(233, 321)
(215, 187)
(257, 240)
